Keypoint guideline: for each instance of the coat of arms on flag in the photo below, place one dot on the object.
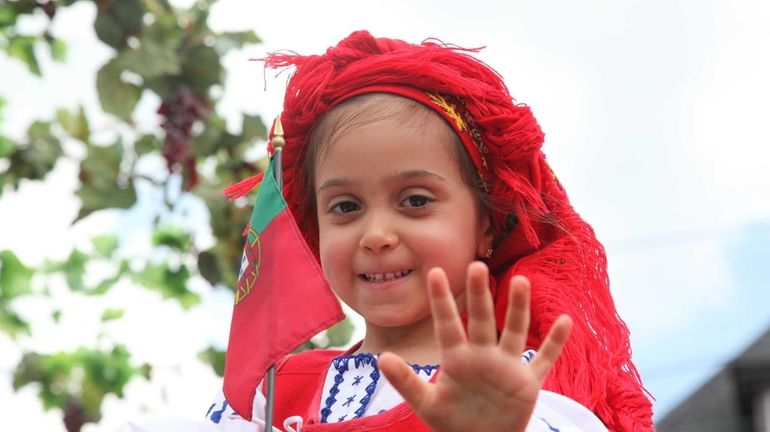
(252, 255)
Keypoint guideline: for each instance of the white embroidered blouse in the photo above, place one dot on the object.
(353, 388)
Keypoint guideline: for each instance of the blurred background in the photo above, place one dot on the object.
(122, 120)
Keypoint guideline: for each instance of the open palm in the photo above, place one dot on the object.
(482, 384)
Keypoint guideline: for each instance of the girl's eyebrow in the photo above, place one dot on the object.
(332, 182)
(403, 175)
(417, 173)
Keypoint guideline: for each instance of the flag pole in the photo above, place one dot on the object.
(278, 143)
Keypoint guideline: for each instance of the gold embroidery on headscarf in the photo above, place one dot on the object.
(465, 124)
(450, 109)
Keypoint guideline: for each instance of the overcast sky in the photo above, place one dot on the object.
(656, 121)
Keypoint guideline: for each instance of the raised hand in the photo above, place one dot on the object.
(482, 384)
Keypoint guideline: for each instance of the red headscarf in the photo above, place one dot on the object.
(539, 235)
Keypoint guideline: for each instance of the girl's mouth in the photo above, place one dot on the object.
(384, 277)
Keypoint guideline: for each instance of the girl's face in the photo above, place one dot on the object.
(392, 204)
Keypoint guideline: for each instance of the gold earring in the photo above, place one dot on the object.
(489, 253)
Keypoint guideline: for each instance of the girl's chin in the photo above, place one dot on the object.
(393, 321)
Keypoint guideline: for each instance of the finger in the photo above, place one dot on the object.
(446, 321)
(551, 348)
(481, 321)
(514, 336)
(404, 380)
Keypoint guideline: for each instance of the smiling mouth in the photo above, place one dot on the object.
(384, 277)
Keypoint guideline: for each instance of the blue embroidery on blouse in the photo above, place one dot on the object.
(548, 424)
(216, 416)
(341, 368)
(342, 418)
(428, 369)
(349, 401)
(365, 359)
(358, 359)
(357, 380)
(527, 356)
(375, 376)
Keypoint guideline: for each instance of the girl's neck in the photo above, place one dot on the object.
(415, 343)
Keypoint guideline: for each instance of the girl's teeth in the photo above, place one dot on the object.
(380, 277)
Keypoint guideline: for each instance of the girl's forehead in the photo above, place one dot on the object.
(388, 140)
(359, 116)
(368, 108)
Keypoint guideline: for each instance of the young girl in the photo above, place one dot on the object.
(421, 187)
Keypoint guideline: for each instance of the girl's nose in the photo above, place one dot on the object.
(378, 237)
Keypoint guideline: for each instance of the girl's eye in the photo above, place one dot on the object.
(345, 207)
(416, 201)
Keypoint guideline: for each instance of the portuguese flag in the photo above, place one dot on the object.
(282, 297)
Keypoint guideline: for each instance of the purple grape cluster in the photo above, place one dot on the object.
(180, 112)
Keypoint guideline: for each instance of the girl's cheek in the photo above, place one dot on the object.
(333, 252)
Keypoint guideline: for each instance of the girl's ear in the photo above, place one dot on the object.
(485, 236)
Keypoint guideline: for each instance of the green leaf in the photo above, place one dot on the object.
(209, 267)
(214, 357)
(7, 16)
(171, 236)
(201, 68)
(339, 334)
(198, 15)
(74, 123)
(163, 86)
(105, 284)
(11, 323)
(242, 38)
(119, 20)
(116, 96)
(108, 29)
(231, 40)
(102, 287)
(129, 13)
(157, 53)
(6, 147)
(105, 244)
(23, 48)
(145, 371)
(211, 139)
(50, 266)
(24, 7)
(28, 370)
(58, 50)
(253, 128)
(15, 277)
(146, 144)
(39, 155)
(172, 284)
(99, 173)
(112, 314)
(74, 269)
(151, 59)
